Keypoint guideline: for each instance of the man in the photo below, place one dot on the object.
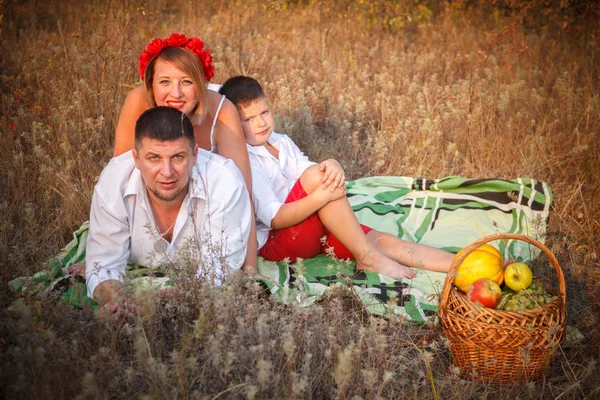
(164, 200)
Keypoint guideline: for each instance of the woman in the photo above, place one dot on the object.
(175, 72)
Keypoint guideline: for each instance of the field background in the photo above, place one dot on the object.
(404, 87)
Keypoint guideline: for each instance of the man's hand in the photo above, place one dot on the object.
(77, 269)
(333, 175)
(113, 303)
(120, 311)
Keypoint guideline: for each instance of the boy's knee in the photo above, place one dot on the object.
(311, 178)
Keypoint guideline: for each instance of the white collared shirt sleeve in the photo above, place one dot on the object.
(227, 218)
(302, 162)
(108, 242)
(273, 178)
(266, 202)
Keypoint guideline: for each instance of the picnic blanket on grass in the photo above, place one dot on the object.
(448, 213)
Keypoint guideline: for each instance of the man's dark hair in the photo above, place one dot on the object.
(163, 124)
(242, 90)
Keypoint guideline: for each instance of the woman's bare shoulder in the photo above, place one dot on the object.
(133, 107)
(228, 111)
(136, 97)
(228, 120)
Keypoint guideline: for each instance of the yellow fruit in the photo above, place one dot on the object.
(518, 276)
(483, 262)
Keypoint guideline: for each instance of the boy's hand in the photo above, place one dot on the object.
(333, 175)
(326, 196)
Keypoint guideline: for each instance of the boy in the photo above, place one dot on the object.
(297, 202)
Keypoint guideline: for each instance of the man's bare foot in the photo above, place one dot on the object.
(375, 261)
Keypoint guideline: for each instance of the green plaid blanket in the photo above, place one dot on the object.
(447, 213)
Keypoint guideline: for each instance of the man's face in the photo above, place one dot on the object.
(257, 122)
(166, 166)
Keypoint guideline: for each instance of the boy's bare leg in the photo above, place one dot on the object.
(339, 219)
(412, 254)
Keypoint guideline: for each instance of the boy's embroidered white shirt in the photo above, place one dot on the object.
(213, 221)
(272, 179)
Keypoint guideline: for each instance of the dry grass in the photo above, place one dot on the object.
(458, 88)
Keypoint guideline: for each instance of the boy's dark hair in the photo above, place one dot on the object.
(242, 90)
(163, 124)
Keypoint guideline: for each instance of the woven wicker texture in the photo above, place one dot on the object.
(501, 346)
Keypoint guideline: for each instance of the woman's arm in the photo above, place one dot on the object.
(229, 139)
(132, 109)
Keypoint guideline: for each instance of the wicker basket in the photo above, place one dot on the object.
(501, 346)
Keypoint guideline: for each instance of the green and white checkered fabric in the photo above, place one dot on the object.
(448, 213)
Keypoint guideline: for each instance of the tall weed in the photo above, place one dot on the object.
(418, 88)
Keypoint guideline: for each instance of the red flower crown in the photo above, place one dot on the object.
(178, 40)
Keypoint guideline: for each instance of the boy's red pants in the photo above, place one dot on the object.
(303, 240)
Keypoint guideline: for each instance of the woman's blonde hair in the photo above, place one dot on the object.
(186, 61)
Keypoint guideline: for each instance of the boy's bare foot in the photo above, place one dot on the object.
(375, 261)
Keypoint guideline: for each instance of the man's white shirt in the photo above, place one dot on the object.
(273, 179)
(213, 223)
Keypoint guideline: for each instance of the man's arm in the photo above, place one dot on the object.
(107, 249)
(228, 218)
(107, 292)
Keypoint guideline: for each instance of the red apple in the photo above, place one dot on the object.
(485, 291)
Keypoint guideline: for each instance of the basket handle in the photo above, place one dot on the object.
(467, 250)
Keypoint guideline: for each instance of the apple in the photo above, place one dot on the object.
(518, 276)
(485, 291)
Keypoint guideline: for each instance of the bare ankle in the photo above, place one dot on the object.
(369, 256)
(375, 261)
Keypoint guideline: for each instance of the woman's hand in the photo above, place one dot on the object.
(333, 175)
